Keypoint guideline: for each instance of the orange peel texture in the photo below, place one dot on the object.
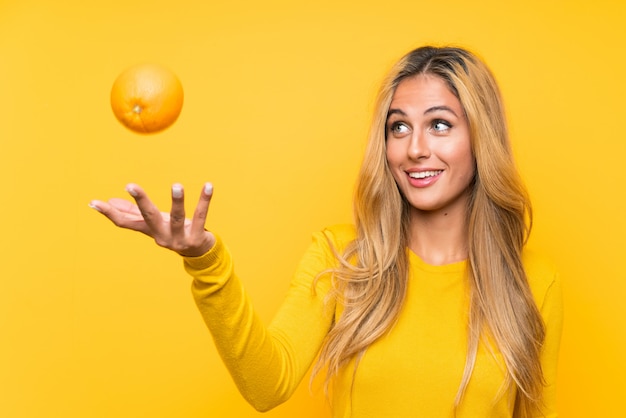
(147, 98)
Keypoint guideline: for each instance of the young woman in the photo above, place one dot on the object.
(429, 305)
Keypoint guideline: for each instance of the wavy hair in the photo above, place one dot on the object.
(371, 278)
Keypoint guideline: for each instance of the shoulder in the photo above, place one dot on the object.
(333, 240)
(340, 235)
(541, 273)
(327, 244)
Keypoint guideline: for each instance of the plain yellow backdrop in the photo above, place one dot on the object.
(99, 322)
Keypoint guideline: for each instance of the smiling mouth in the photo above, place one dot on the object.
(424, 174)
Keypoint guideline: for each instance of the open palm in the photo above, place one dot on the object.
(172, 230)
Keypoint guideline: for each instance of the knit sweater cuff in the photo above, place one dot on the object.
(210, 261)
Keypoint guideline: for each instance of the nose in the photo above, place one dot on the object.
(418, 147)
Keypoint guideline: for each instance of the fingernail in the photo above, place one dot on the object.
(208, 188)
(94, 205)
(177, 191)
(131, 190)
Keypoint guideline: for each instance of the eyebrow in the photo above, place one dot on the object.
(438, 108)
(427, 111)
(395, 112)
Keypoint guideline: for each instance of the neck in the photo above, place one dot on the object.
(439, 237)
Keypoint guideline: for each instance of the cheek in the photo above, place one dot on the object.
(393, 162)
(469, 170)
(461, 155)
(392, 153)
(462, 162)
(471, 162)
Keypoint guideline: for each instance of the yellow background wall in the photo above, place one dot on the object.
(99, 322)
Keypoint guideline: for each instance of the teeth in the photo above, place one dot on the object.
(424, 174)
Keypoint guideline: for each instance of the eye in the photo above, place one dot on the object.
(440, 126)
(398, 129)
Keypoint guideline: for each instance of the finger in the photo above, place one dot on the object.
(199, 217)
(177, 214)
(125, 206)
(119, 216)
(149, 212)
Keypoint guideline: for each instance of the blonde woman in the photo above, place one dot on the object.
(429, 306)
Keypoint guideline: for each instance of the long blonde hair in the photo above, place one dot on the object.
(371, 279)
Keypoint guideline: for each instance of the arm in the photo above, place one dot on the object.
(266, 363)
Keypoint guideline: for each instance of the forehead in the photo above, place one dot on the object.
(424, 90)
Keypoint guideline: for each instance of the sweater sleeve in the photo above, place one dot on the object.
(552, 312)
(266, 363)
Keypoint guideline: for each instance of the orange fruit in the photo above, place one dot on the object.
(147, 98)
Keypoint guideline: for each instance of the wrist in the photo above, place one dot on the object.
(203, 248)
(210, 259)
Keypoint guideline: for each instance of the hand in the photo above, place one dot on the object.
(171, 230)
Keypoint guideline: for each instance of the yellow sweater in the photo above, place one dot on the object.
(414, 371)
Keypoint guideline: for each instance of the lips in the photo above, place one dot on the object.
(423, 178)
(424, 174)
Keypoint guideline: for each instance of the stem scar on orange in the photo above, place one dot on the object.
(147, 98)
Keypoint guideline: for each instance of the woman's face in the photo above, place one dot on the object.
(428, 145)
